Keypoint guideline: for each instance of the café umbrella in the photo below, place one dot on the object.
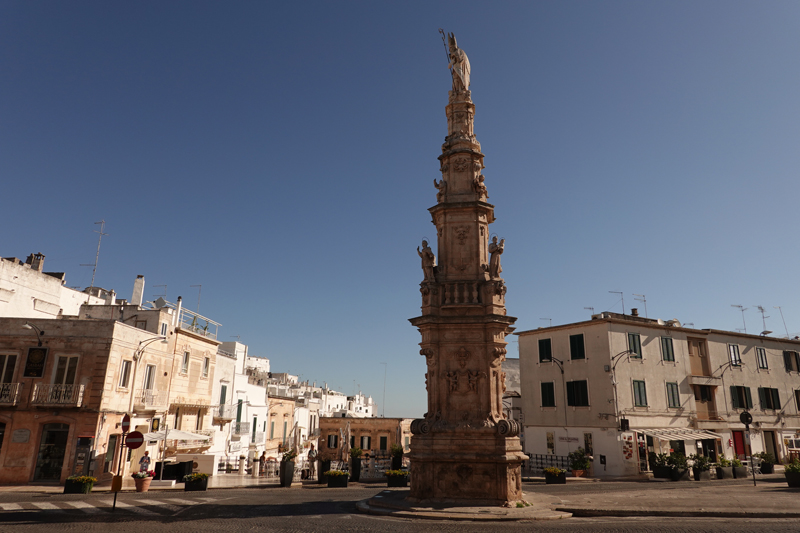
(175, 434)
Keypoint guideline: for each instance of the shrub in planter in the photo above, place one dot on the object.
(701, 467)
(724, 469)
(336, 478)
(287, 468)
(792, 473)
(661, 469)
(739, 470)
(767, 462)
(555, 476)
(579, 462)
(79, 484)
(325, 465)
(355, 461)
(397, 453)
(396, 478)
(142, 480)
(195, 482)
(679, 467)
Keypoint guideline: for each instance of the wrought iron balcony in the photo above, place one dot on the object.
(260, 437)
(227, 412)
(9, 393)
(150, 399)
(241, 428)
(65, 395)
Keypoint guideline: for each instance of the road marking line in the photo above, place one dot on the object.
(136, 509)
(44, 505)
(183, 502)
(173, 508)
(10, 506)
(83, 506)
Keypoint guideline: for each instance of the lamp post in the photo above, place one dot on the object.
(727, 365)
(39, 332)
(615, 360)
(137, 355)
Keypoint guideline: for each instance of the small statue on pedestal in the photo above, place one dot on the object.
(428, 261)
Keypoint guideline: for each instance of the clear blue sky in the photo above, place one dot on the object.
(282, 155)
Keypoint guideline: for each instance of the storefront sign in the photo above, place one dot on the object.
(21, 435)
(34, 366)
(567, 439)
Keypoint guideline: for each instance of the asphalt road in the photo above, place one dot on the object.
(297, 510)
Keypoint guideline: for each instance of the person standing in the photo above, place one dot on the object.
(144, 462)
(312, 461)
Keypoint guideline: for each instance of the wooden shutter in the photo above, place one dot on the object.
(748, 400)
(734, 398)
(776, 400)
(762, 397)
(787, 360)
(570, 393)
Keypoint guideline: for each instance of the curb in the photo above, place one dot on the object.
(588, 513)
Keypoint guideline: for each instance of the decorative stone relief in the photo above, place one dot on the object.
(463, 356)
(420, 427)
(441, 186)
(508, 428)
(495, 250)
(462, 232)
(479, 187)
(428, 353)
(452, 381)
(428, 261)
(461, 164)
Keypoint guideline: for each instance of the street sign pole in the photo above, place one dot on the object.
(116, 485)
(746, 418)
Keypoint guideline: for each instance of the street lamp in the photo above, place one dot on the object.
(615, 360)
(137, 355)
(726, 365)
(39, 332)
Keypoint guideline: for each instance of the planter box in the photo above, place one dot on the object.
(724, 472)
(701, 475)
(355, 473)
(662, 472)
(767, 468)
(193, 486)
(326, 467)
(679, 474)
(397, 481)
(143, 484)
(560, 479)
(71, 487)
(579, 473)
(337, 481)
(287, 473)
(793, 479)
(739, 472)
(397, 463)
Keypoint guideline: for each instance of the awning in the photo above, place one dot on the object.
(174, 434)
(679, 434)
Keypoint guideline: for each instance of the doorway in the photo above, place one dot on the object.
(52, 450)
(738, 444)
(709, 447)
(769, 444)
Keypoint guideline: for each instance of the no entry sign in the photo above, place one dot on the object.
(134, 440)
(126, 423)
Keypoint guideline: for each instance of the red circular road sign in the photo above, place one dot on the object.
(126, 423)
(134, 440)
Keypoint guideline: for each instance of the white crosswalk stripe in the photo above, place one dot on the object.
(10, 506)
(83, 506)
(44, 505)
(163, 505)
(178, 501)
(132, 508)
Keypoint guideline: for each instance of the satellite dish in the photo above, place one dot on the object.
(661, 322)
(161, 302)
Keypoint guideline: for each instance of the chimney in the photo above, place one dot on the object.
(36, 261)
(634, 312)
(138, 291)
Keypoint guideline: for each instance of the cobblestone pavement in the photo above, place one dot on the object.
(302, 510)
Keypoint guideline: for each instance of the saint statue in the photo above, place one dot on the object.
(459, 66)
(495, 249)
(442, 187)
(428, 261)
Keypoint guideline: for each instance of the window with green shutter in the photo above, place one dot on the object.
(576, 348)
(769, 398)
(635, 345)
(791, 361)
(740, 397)
(577, 393)
(673, 397)
(639, 394)
(548, 394)
(545, 351)
(667, 350)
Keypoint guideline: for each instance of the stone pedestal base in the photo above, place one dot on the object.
(466, 468)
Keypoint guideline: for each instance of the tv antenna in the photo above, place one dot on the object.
(622, 297)
(687, 324)
(161, 295)
(550, 319)
(237, 337)
(199, 290)
(778, 307)
(742, 309)
(590, 309)
(97, 257)
(763, 320)
(643, 299)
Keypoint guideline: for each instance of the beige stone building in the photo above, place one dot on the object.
(373, 435)
(623, 385)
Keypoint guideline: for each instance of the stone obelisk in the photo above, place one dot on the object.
(464, 449)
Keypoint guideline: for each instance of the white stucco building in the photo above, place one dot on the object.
(622, 386)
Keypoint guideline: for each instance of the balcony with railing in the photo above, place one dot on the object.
(241, 428)
(225, 412)
(63, 395)
(10, 393)
(260, 437)
(151, 399)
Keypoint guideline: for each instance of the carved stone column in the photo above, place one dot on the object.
(464, 449)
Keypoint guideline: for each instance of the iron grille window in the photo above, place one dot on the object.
(667, 350)
(635, 345)
(769, 398)
(639, 393)
(545, 351)
(733, 353)
(548, 394)
(761, 358)
(740, 397)
(673, 397)
(576, 348)
(577, 393)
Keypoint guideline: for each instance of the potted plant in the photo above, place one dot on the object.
(79, 484)
(555, 476)
(767, 462)
(195, 482)
(679, 467)
(355, 461)
(287, 468)
(724, 468)
(661, 468)
(792, 473)
(739, 470)
(336, 478)
(701, 467)
(396, 478)
(579, 462)
(142, 480)
(396, 450)
(324, 466)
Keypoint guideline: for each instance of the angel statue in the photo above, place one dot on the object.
(459, 65)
